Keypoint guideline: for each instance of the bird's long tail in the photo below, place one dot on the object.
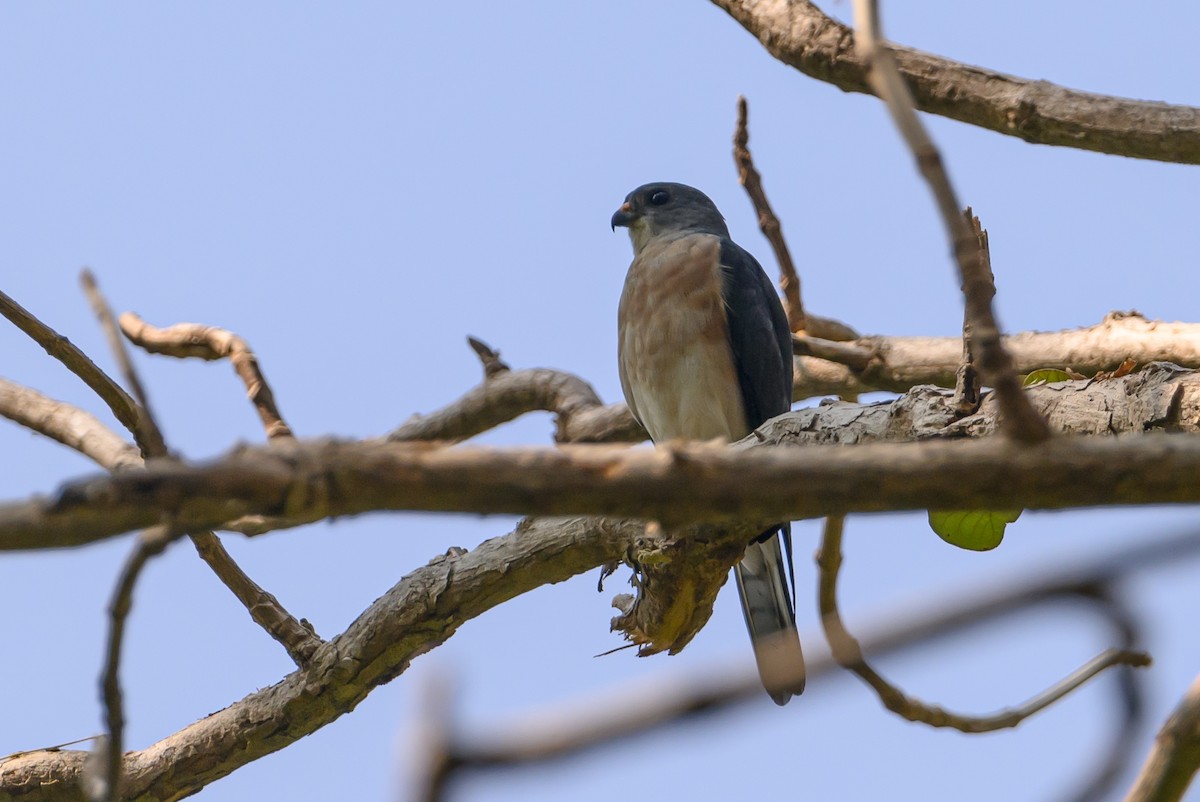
(762, 581)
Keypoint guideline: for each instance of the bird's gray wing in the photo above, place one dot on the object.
(758, 335)
(762, 351)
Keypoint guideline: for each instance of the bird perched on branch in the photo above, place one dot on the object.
(705, 352)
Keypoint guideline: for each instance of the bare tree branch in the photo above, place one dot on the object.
(822, 367)
(1113, 764)
(69, 425)
(900, 363)
(988, 354)
(150, 543)
(751, 181)
(580, 415)
(675, 484)
(1173, 760)
(60, 422)
(582, 725)
(296, 636)
(148, 434)
(418, 614)
(185, 340)
(848, 654)
(106, 768)
(967, 389)
(797, 33)
(123, 407)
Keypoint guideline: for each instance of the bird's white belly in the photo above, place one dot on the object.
(676, 363)
(695, 397)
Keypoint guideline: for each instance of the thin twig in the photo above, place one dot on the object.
(52, 748)
(751, 181)
(124, 408)
(151, 542)
(148, 433)
(992, 360)
(185, 340)
(296, 636)
(504, 394)
(1175, 756)
(848, 654)
(854, 356)
(967, 392)
(489, 357)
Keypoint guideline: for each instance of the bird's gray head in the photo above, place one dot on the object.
(665, 208)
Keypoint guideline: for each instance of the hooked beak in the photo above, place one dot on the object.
(623, 216)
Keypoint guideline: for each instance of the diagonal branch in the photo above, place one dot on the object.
(76, 429)
(73, 427)
(989, 356)
(751, 181)
(797, 33)
(768, 222)
(123, 407)
(418, 614)
(262, 606)
(848, 653)
(1175, 757)
(147, 434)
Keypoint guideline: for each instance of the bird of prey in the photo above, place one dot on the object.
(705, 352)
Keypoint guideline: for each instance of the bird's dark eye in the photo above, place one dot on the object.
(659, 196)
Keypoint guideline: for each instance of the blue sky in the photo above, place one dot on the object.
(355, 188)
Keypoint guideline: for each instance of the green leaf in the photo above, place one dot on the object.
(977, 530)
(1045, 376)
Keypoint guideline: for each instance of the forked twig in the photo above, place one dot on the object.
(123, 407)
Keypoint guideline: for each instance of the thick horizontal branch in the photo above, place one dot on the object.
(676, 484)
(287, 484)
(800, 35)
